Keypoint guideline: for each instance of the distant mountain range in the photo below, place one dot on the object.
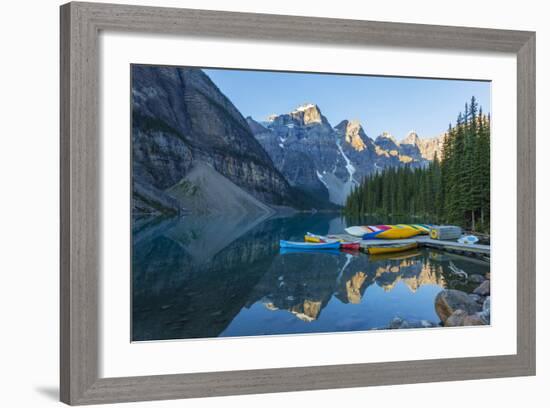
(192, 150)
(319, 158)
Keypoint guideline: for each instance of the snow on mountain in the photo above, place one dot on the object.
(304, 107)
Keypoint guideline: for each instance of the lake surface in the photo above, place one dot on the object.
(197, 277)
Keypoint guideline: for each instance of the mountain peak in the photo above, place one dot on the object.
(386, 135)
(305, 114)
(353, 133)
(306, 106)
(308, 113)
(411, 138)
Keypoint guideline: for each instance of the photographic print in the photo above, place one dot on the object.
(278, 203)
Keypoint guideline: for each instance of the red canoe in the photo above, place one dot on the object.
(350, 245)
(353, 246)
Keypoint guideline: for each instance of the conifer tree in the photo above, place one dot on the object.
(453, 188)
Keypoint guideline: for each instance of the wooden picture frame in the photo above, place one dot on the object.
(81, 24)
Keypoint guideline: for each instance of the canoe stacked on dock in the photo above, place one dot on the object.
(392, 248)
(313, 241)
(445, 232)
(398, 231)
(309, 237)
(309, 245)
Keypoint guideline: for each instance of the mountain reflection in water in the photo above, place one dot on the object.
(196, 277)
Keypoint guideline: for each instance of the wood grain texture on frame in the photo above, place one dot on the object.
(79, 197)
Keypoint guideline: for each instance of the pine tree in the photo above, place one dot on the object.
(453, 188)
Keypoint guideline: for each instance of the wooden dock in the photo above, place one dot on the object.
(424, 241)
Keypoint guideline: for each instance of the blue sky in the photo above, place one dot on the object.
(396, 105)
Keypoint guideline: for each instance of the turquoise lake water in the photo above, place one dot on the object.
(199, 277)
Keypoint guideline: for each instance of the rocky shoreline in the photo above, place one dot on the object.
(456, 308)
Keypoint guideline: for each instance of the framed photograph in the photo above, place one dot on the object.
(261, 203)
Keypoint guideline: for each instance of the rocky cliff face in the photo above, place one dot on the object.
(422, 149)
(429, 148)
(180, 118)
(322, 159)
(296, 165)
(302, 144)
(354, 135)
(358, 148)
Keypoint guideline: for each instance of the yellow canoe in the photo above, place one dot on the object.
(388, 249)
(396, 256)
(400, 231)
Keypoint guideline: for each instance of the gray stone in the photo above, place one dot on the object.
(484, 289)
(473, 320)
(456, 318)
(399, 323)
(396, 323)
(420, 324)
(405, 325)
(427, 323)
(476, 278)
(485, 314)
(449, 300)
(487, 304)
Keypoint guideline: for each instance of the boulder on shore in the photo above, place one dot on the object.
(476, 278)
(399, 323)
(485, 314)
(461, 318)
(450, 300)
(474, 320)
(396, 323)
(456, 318)
(484, 289)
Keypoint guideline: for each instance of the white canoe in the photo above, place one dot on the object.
(357, 231)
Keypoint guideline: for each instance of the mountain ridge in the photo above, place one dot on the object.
(302, 142)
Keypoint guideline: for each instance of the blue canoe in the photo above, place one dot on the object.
(309, 251)
(309, 245)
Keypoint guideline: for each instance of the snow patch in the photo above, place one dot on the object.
(349, 166)
(351, 170)
(320, 177)
(348, 185)
(304, 107)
